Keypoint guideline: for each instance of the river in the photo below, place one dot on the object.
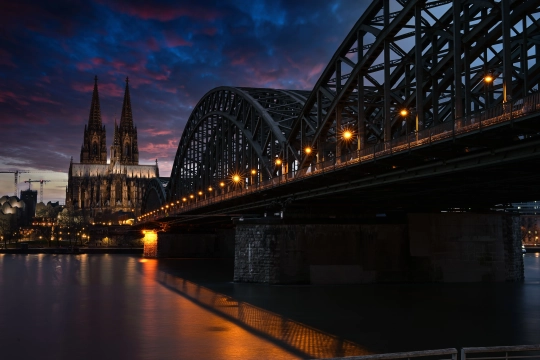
(126, 307)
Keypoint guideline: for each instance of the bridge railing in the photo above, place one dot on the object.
(477, 121)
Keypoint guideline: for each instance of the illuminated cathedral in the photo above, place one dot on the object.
(100, 187)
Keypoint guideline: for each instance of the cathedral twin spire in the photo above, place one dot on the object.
(125, 149)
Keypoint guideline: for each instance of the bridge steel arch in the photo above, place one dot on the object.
(233, 131)
(154, 196)
(430, 58)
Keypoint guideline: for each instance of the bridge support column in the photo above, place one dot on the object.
(218, 244)
(440, 247)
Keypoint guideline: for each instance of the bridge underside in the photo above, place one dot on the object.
(485, 168)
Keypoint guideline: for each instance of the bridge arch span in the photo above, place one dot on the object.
(154, 197)
(233, 131)
(429, 58)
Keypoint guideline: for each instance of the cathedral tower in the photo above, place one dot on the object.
(94, 148)
(126, 149)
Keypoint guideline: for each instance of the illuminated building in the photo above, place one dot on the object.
(103, 188)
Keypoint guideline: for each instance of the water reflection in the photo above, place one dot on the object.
(307, 341)
(112, 307)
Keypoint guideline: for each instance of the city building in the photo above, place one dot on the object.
(101, 188)
(29, 197)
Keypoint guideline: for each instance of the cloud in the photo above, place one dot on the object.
(165, 11)
(174, 52)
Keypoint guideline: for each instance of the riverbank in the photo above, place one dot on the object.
(75, 250)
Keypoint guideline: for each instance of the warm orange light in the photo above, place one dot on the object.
(200, 193)
(191, 196)
(307, 150)
(167, 206)
(278, 162)
(347, 135)
(253, 172)
(210, 188)
(236, 178)
(222, 184)
(488, 78)
(404, 112)
(184, 199)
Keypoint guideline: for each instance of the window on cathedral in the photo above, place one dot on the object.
(94, 149)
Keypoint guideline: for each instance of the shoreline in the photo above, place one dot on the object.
(74, 250)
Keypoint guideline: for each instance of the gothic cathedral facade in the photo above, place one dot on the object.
(104, 188)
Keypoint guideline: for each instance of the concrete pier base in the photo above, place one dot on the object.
(218, 244)
(440, 247)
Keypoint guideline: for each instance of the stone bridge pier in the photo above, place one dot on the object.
(433, 247)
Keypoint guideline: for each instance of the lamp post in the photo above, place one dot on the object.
(253, 173)
(488, 80)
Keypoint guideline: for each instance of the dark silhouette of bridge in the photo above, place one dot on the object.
(425, 105)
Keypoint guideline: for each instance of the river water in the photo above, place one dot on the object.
(126, 307)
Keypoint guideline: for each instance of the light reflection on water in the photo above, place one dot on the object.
(117, 306)
(106, 307)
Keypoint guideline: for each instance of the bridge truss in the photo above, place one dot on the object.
(406, 66)
(410, 65)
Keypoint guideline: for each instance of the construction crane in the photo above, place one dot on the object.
(41, 182)
(16, 172)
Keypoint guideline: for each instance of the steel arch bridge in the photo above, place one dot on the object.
(405, 66)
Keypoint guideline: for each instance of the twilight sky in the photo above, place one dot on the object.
(174, 51)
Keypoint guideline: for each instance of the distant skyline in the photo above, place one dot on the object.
(173, 52)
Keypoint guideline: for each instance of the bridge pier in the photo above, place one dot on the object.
(438, 247)
(218, 243)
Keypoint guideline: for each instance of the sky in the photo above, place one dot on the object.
(174, 51)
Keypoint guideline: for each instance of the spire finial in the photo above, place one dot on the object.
(127, 80)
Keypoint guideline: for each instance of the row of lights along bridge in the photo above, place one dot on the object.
(346, 136)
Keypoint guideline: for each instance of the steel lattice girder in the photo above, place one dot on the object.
(397, 45)
(233, 131)
(154, 196)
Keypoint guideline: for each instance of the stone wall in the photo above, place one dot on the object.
(212, 245)
(445, 247)
(465, 247)
(319, 253)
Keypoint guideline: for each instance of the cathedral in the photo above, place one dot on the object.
(102, 188)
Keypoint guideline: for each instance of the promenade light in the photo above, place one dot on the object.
(347, 135)
(167, 206)
(222, 184)
(236, 178)
(200, 193)
(184, 199)
(210, 188)
(404, 112)
(253, 172)
(191, 196)
(307, 150)
(278, 161)
(488, 78)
